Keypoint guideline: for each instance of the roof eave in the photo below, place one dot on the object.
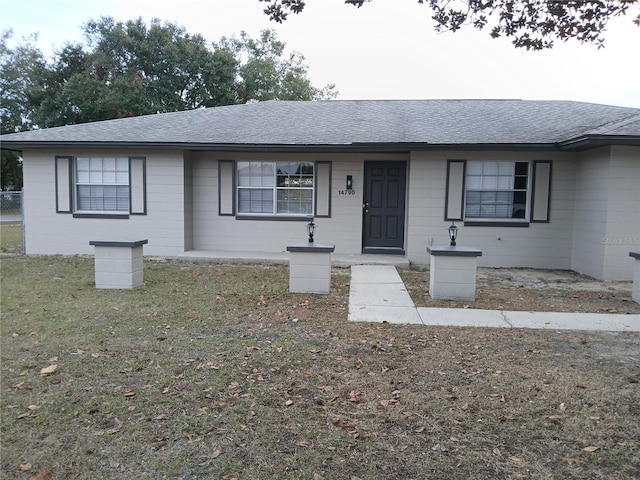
(593, 141)
(386, 147)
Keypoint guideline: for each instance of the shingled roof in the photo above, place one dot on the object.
(356, 124)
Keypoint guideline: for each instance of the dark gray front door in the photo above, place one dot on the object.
(384, 207)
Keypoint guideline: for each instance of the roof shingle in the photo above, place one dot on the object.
(353, 122)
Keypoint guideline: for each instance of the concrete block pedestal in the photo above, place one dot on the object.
(310, 267)
(635, 293)
(118, 264)
(452, 274)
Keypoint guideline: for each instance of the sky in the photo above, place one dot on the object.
(387, 49)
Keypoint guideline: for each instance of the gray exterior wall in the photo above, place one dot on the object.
(607, 212)
(48, 232)
(188, 201)
(343, 228)
(594, 202)
(540, 245)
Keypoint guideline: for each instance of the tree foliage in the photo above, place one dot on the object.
(20, 69)
(529, 24)
(267, 73)
(131, 68)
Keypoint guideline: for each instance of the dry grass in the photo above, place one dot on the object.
(526, 289)
(10, 237)
(216, 371)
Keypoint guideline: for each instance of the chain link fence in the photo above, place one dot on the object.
(11, 232)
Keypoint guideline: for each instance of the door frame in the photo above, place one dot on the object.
(381, 249)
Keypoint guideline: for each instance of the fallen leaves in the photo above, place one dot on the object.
(351, 429)
(111, 431)
(42, 475)
(48, 370)
(355, 396)
(572, 461)
(591, 448)
(392, 401)
(217, 451)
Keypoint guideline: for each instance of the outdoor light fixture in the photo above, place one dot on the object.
(349, 182)
(311, 229)
(453, 234)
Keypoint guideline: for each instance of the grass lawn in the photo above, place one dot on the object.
(10, 237)
(217, 372)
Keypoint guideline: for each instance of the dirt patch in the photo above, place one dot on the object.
(524, 289)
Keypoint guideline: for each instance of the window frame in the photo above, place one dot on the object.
(502, 220)
(275, 188)
(66, 184)
(539, 193)
(116, 184)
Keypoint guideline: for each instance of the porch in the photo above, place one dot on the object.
(337, 260)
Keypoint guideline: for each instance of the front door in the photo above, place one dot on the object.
(384, 207)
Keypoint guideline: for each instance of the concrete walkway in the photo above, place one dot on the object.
(377, 294)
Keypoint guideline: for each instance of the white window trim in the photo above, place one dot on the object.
(275, 188)
(528, 191)
(76, 184)
(66, 201)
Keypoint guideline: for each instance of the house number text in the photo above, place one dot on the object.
(346, 192)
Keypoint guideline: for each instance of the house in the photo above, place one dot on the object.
(542, 184)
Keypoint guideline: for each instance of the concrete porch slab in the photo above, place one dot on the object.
(337, 260)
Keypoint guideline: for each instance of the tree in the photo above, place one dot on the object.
(530, 24)
(266, 73)
(20, 70)
(131, 68)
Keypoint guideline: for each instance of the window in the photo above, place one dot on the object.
(102, 184)
(275, 188)
(95, 187)
(496, 190)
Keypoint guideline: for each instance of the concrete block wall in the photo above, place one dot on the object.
(309, 270)
(118, 265)
(453, 277)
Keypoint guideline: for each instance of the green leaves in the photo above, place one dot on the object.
(267, 73)
(530, 24)
(131, 68)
